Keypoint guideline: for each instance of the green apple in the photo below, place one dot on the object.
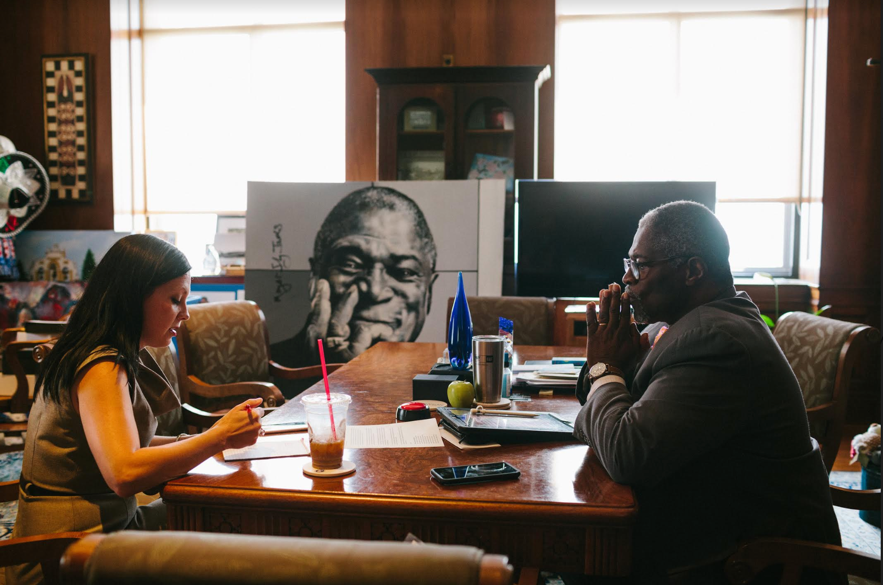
(461, 394)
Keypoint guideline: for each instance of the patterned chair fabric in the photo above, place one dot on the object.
(823, 352)
(533, 317)
(812, 345)
(226, 343)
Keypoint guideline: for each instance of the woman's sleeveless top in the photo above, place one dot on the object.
(58, 462)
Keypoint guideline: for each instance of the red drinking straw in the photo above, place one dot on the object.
(327, 390)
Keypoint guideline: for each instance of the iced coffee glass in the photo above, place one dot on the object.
(326, 441)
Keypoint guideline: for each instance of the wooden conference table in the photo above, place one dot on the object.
(564, 513)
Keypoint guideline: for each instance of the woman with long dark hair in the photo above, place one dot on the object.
(90, 444)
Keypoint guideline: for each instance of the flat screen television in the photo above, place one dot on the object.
(571, 237)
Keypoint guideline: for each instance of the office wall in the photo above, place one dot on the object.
(851, 215)
(29, 30)
(404, 33)
(849, 274)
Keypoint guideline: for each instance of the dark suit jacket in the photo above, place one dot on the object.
(712, 433)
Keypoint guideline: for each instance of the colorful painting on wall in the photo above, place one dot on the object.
(25, 301)
(62, 255)
(66, 122)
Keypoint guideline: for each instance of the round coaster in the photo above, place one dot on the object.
(433, 404)
(346, 468)
(503, 404)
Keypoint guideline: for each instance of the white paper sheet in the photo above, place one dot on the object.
(547, 367)
(271, 446)
(419, 433)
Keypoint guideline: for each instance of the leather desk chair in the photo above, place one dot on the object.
(793, 555)
(135, 558)
(225, 344)
(823, 353)
(534, 317)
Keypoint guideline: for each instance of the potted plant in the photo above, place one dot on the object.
(866, 450)
(771, 323)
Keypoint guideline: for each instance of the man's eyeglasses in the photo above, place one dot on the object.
(635, 266)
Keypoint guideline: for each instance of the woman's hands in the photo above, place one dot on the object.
(241, 426)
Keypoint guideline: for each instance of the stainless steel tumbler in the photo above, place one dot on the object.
(487, 360)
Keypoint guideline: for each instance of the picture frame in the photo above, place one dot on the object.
(67, 124)
(422, 165)
(420, 119)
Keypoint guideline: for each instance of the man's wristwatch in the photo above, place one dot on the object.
(601, 369)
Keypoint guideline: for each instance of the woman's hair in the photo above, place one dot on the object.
(111, 310)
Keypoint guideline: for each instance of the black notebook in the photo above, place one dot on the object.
(484, 428)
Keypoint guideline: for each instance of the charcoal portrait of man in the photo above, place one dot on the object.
(371, 277)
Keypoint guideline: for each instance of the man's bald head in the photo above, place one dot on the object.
(345, 217)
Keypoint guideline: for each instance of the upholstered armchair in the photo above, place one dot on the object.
(224, 345)
(188, 418)
(823, 352)
(534, 317)
(136, 557)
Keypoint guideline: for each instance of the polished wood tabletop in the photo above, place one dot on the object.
(564, 512)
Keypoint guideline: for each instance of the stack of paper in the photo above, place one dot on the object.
(557, 375)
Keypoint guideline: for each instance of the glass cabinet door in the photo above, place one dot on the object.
(420, 143)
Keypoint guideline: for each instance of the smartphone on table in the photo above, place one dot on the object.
(474, 473)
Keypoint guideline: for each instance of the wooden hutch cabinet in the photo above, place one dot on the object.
(434, 121)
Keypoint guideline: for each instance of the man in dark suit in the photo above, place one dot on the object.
(701, 412)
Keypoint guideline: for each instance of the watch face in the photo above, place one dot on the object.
(597, 370)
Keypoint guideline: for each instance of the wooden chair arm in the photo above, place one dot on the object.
(73, 563)
(41, 351)
(754, 556)
(287, 373)
(495, 570)
(54, 328)
(9, 335)
(200, 419)
(45, 548)
(855, 499)
(9, 491)
(265, 390)
(13, 427)
(20, 401)
(821, 412)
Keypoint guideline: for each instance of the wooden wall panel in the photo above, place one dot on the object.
(403, 33)
(34, 28)
(849, 274)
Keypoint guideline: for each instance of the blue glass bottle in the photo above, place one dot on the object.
(460, 330)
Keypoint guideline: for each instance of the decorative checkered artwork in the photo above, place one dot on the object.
(66, 122)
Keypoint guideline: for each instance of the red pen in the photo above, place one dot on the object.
(248, 410)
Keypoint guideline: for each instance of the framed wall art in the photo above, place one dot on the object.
(67, 126)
